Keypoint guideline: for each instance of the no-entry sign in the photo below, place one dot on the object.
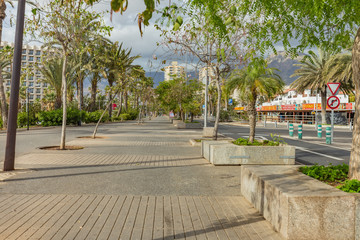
(333, 102)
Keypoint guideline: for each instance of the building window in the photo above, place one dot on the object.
(31, 77)
(38, 96)
(24, 51)
(44, 84)
(8, 69)
(30, 90)
(31, 84)
(23, 64)
(8, 83)
(24, 83)
(38, 59)
(31, 52)
(38, 52)
(31, 97)
(38, 90)
(23, 57)
(31, 58)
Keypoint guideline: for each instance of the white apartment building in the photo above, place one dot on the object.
(31, 55)
(290, 96)
(173, 70)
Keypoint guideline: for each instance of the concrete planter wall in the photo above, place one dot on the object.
(175, 122)
(189, 125)
(227, 153)
(300, 207)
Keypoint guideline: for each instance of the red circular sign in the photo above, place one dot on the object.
(333, 102)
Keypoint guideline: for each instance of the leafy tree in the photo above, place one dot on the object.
(58, 23)
(216, 42)
(254, 82)
(5, 56)
(332, 24)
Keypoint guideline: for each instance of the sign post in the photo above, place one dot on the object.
(333, 102)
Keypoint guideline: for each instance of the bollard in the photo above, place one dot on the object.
(288, 125)
(291, 130)
(300, 127)
(319, 130)
(351, 125)
(275, 124)
(328, 135)
(264, 123)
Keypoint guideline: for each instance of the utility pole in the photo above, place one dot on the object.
(9, 162)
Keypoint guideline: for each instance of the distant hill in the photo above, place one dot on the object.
(157, 76)
(285, 65)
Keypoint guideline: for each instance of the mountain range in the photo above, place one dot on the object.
(280, 61)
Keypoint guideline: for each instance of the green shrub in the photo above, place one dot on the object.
(115, 119)
(126, 116)
(245, 142)
(1, 122)
(327, 173)
(93, 117)
(352, 186)
(134, 113)
(54, 118)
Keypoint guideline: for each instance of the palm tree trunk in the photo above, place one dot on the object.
(4, 111)
(354, 164)
(94, 82)
(218, 106)
(120, 107)
(252, 120)
(64, 95)
(110, 98)
(126, 101)
(323, 106)
(58, 101)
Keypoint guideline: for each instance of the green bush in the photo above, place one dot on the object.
(352, 186)
(22, 119)
(54, 118)
(93, 117)
(134, 113)
(1, 122)
(327, 173)
(224, 116)
(126, 116)
(245, 142)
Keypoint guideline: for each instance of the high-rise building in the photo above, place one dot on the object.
(31, 55)
(173, 70)
(206, 71)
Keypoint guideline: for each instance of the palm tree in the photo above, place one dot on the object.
(313, 74)
(4, 62)
(118, 61)
(339, 69)
(51, 70)
(254, 82)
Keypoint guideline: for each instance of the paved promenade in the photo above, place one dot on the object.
(136, 182)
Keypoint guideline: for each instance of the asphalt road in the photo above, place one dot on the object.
(27, 141)
(310, 150)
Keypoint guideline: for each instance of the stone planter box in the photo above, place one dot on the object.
(227, 153)
(175, 122)
(300, 207)
(182, 125)
(208, 131)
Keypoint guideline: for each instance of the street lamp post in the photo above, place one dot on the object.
(9, 162)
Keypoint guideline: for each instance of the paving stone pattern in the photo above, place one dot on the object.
(204, 203)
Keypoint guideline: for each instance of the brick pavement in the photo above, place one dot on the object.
(33, 206)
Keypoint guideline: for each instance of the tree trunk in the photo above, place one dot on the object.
(94, 82)
(58, 101)
(101, 117)
(354, 164)
(323, 106)
(252, 120)
(64, 95)
(126, 101)
(110, 98)
(218, 106)
(4, 111)
(120, 104)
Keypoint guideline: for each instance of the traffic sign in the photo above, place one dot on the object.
(230, 101)
(333, 102)
(333, 87)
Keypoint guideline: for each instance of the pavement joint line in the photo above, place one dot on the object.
(320, 154)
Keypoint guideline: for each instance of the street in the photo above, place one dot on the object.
(310, 150)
